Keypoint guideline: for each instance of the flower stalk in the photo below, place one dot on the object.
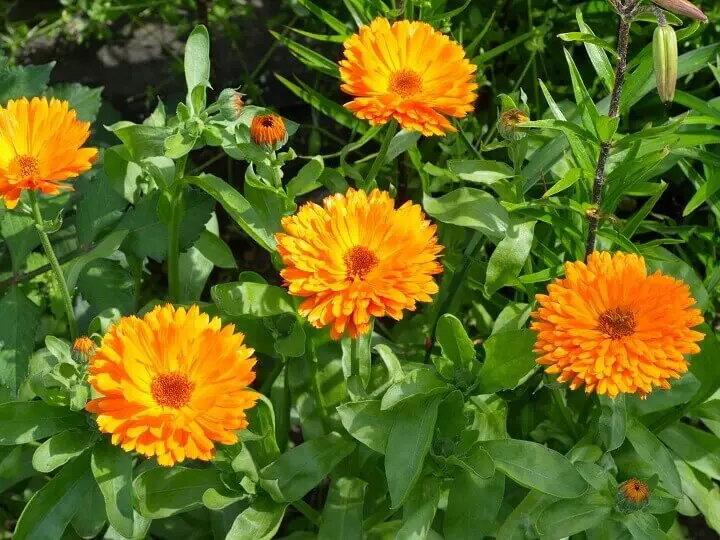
(54, 264)
(390, 131)
(176, 212)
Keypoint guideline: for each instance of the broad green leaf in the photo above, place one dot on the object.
(15, 465)
(367, 423)
(215, 250)
(568, 180)
(302, 468)
(408, 443)
(520, 524)
(454, 341)
(84, 100)
(163, 492)
(141, 141)
(476, 461)
(104, 248)
(644, 526)
(342, 515)
(195, 270)
(566, 518)
(90, 520)
(53, 506)
(61, 448)
(122, 174)
(197, 62)
(112, 468)
(21, 237)
(401, 143)
(537, 467)
(417, 523)
(106, 284)
(100, 207)
(699, 449)
(419, 383)
(260, 521)
(702, 491)
(260, 435)
(612, 422)
(306, 179)
(702, 367)
(510, 255)
(252, 299)
(473, 505)
(356, 357)
(17, 339)
(481, 171)
(655, 454)
(26, 421)
(23, 81)
(509, 357)
(237, 206)
(472, 208)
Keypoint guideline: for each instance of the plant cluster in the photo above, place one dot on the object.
(467, 330)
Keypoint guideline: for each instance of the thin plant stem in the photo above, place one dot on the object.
(59, 277)
(455, 283)
(176, 212)
(381, 155)
(564, 413)
(599, 180)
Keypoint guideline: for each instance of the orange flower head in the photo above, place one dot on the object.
(616, 329)
(632, 496)
(41, 147)
(357, 257)
(84, 345)
(268, 130)
(173, 384)
(410, 72)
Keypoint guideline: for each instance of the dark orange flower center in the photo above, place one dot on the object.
(636, 491)
(617, 323)
(359, 260)
(28, 166)
(405, 83)
(171, 390)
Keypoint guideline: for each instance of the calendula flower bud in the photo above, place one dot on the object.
(632, 496)
(508, 122)
(231, 103)
(665, 54)
(84, 346)
(682, 7)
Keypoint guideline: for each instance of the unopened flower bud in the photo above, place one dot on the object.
(84, 345)
(682, 7)
(632, 496)
(231, 103)
(508, 122)
(665, 54)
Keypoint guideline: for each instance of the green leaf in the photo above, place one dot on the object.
(481, 171)
(53, 506)
(61, 448)
(454, 341)
(606, 127)
(258, 522)
(112, 468)
(612, 422)
(469, 207)
(90, 520)
(655, 455)
(292, 344)
(537, 467)
(104, 248)
(164, 492)
(703, 368)
(306, 179)
(260, 436)
(367, 423)
(510, 255)
(26, 421)
(566, 518)
(703, 493)
(699, 449)
(21, 237)
(509, 358)
(419, 383)
(195, 270)
(644, 526)
(408, 443)
(568, 180)
(588, 38)
(106, 284)
(477, 461)
(17, 339)
(215, 250)
(100, 207)
(237, 206)
(122, 174)
(197, 62)
(567, 128)
(311, 58)
(85, 100)
(23, 81)
(15, 465)
(334, 24)
(401, 143)
(141, 141)
(520, 524)
(342, 516)
(473, 505)
(302, 468)
(252, 299)
(597, 55)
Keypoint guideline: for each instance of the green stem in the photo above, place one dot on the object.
(466, 140)
(564, 413)
(59, 277)
(381, 156)
(457, 280)
(176, 212)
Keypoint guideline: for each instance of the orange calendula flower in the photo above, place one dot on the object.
(268, 130)
(41, 147)
(632, 496)
(410, 72)
(84, 345)
(616, 329)
(358, 257)
(173, 383)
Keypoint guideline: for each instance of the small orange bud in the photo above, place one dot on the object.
(268, 130)
(231, 103)
(632, 495)
(508, 122)
(84, 345)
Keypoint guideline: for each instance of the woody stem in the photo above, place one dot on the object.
(54, 264)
